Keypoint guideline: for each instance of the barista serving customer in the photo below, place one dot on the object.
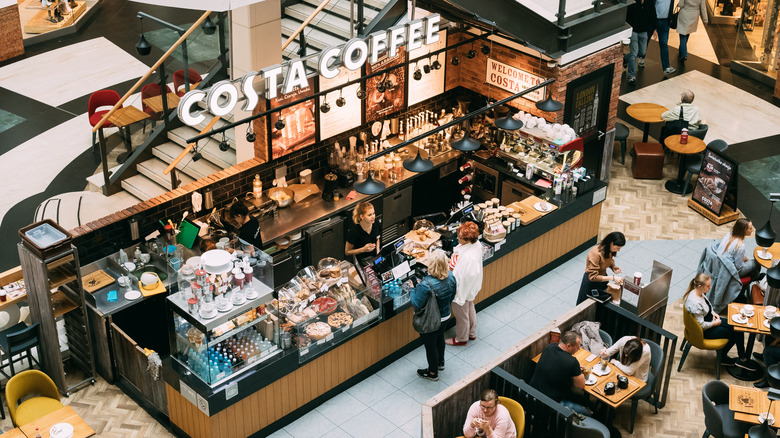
(248, 227)
(363, 236)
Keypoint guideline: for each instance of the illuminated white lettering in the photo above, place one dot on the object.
(248, 88)
(348, 55)
(414, 35)
(271, 76)
(431, 29)
(324, 62)
(186, 103)
(377, 44)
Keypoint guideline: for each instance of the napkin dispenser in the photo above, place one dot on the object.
(622, 382)
(609, 388)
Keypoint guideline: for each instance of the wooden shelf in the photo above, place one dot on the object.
(60, 276)
(61, 304)
(59, 262)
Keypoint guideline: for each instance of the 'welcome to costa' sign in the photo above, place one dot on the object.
(513, 79)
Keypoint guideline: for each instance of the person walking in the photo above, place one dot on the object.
(641, 17)
(466, 266)
(663, 10)
(441, 281)
(688, 22)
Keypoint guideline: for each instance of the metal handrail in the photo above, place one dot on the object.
(304, 24)
(151, 70)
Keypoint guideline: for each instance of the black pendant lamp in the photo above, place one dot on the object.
(466, 144)
(766, 236)
(370, 186)
(418, 164)
(208, 26)
(773, 277)
(549, 105)
(143, 47)
(763, 430)
(508, 123)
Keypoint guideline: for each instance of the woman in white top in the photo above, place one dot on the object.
(733, 247)
(466, 266)
(633, 358)
(714, 325)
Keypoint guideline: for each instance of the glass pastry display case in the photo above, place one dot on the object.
(218, 345)
(321, 307)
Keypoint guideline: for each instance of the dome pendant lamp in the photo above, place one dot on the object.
(418, 164)
(766, 236)
(763, 430)
(549, 104)
(466, 144)
(370, 186)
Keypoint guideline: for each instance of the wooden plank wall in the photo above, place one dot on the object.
(308, 382)
(131, 363)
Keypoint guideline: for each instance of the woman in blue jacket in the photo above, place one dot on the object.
(442, 282)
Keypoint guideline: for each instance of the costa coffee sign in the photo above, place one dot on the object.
(223, 96)
(513, 79)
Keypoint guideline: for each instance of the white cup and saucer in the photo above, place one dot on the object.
(770, 312)
(766, 416)
(747, 310)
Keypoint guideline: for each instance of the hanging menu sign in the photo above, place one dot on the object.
(340, 119)
(385, 93)
(513, 79)
(299, 127)
(431, 84)
(715, 175)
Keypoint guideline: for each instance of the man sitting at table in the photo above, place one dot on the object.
(488, 418)
(690, 112)
(558, 370)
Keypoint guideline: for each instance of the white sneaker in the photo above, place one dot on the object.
(669, 70)
(641, 62)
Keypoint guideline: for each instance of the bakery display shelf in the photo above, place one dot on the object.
(54, 264)
(236, 331)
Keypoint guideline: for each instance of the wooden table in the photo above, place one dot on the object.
(596, 390)
(774, 250)
(155, 102)
(693, 146)
(747, 403)
(754, 325)
(65, 414)
(122, 118)
(15, 433)
(646, 113)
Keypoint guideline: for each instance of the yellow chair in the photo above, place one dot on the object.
(517, 413)
(45, 400)
(694, 336)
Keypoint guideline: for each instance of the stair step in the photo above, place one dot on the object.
(97, 179)
(194, 169)
(324, 20)
(142, 187)
(341, 8)
(209, 148)
(314, 37)
(154, 170)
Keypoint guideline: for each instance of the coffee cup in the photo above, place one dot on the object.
(145, 257)
(771, 310)
(586, 373)
(3, 296)
(748, 309)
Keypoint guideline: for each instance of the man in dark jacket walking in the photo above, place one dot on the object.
(641, 17)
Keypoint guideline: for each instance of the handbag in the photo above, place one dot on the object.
(757, 295)
(427, 319)
(673, 18)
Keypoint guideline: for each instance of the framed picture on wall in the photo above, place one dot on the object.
(385, 93)
(299, 130)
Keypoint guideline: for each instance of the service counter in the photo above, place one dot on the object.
(275, 393)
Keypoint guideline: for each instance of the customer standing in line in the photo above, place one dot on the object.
(688, 22)
(641, 17)
(601, 257)
(466, 266)
(733, 247)
(663, 10)
(441, 281)
(713, 325)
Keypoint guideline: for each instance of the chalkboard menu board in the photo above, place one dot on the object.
(713, 188)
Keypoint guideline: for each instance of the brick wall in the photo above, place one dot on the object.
(11, 42)
(470, 74)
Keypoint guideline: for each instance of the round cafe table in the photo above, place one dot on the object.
(646, 113)
(693, 146)
(774, 250)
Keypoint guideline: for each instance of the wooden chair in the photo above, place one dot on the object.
(694, 336)
(45, 398)
(517, 413)
(178, 80)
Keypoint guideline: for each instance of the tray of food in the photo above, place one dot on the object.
(538, 205)
(423, 236)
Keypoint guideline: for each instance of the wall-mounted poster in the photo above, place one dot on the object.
(712, 188)
(299, 126)
(513, 79)
(340, 119)
(382, 100)
(431, 84)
